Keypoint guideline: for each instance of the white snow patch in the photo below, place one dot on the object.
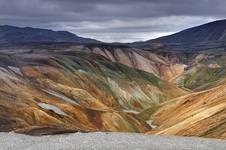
(52, 107)
(61, 96)
(131, 111)
(150, 123)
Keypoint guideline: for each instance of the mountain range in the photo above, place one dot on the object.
(12, 34)
(173, 85)
(210, 32)
(204, 37)
(213, 31)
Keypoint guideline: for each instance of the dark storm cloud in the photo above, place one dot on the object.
(112, 20)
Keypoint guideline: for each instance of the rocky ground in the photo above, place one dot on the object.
(107, 141)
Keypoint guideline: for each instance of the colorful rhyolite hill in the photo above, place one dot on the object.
(50, 88)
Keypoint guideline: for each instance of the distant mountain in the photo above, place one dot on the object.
(11, 34)
(213, 31)
(207, 36)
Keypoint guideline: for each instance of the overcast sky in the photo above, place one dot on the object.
(112, 20)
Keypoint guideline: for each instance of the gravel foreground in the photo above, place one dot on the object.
(107, 141)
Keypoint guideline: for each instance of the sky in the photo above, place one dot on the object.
(112, 20)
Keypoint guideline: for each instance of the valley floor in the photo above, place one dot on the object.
(107, 141)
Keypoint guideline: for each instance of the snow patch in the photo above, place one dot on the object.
(52, 107)
(131, 111)
(150, 123)
(61, 96)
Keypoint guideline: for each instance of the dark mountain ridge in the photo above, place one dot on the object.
(204, 37)
(213, 31)
(207, 37)
(12, 34)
